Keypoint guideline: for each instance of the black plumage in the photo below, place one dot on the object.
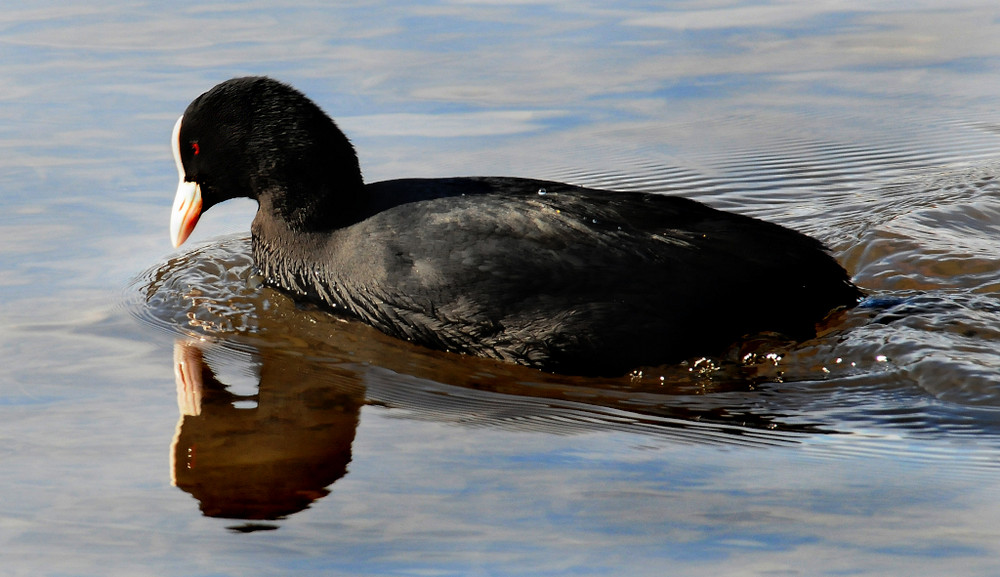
(550, 275)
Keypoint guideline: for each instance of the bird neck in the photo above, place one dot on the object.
(282, 252)
(313, 207)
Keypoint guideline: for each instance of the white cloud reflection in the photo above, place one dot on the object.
(448, 125)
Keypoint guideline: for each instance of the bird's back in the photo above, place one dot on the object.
(569, 279)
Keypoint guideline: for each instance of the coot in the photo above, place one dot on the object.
(554, 276)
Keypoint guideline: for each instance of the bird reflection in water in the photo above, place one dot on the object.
(265, 456)
(265, 462)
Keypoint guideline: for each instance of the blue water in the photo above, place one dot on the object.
(300, 444)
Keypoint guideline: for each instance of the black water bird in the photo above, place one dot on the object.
(554, 276)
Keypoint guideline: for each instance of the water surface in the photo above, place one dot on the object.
(163, 414)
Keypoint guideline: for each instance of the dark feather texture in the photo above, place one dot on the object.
(550, 275)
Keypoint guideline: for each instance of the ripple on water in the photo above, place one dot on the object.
(208, 291)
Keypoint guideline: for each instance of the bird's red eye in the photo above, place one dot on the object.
(195, 148)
